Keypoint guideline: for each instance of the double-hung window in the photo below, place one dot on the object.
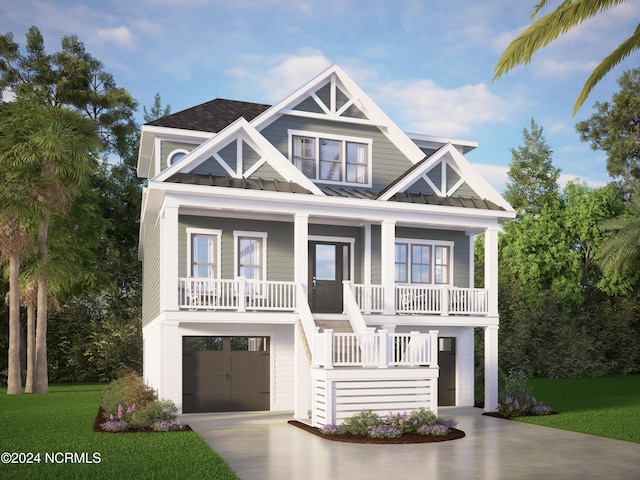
(423, 261)
(332, 159)
(204, 253)
(251, 257)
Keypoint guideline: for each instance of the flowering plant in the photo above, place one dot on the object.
(169, 426)
(512, 407)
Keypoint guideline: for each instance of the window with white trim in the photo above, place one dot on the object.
(204, 253)
(251, 255)
(176, 155)
(423, 261)
(332, 159)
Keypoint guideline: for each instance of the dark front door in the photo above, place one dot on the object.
(225, 374)
(329, 265)
(447, 378)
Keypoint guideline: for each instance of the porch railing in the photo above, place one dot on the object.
(239, 294)
(380, 349)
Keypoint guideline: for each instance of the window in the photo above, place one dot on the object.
(175, 156)
(204, 253)
(251, 255)
(332, 159)
(423, 261)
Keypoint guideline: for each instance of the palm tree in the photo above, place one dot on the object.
(549, 27)
(15, 242)
(622, 251)
(51, 148)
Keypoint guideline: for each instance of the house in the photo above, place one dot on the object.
(311, 256)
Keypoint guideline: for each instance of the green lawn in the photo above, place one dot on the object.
(606, 406)
(60, 423)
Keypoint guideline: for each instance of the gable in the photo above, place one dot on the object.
(445, 175)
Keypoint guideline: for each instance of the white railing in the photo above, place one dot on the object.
(370, 298)
(441, 300)
(379, 349)
(238, 294)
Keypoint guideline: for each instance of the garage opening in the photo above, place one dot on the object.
(225, 374)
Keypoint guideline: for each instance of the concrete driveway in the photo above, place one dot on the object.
(262, 446)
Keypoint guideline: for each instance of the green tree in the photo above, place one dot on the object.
(533, 180)
(546, 29)
(53, 148)
(157, 110)
(70, 77)
(615, 129)
(622, 252)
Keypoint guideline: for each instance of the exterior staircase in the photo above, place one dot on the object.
(338, 325)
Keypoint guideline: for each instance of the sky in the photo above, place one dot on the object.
(429, 64)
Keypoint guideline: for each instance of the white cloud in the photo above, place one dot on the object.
(423, 106)
(291, 73)
(8, 95)
(496, 175)
(120, 35)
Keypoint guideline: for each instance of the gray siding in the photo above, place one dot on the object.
(388, 162)
(460, 249)
(151, 275)
(167, 147)
(279, 244)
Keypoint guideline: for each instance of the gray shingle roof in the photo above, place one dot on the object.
(211, 116)
(245, 183)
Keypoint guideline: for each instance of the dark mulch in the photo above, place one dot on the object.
(100, 419)
(454, 434)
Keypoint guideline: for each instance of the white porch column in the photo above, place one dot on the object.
(172, 356)
(169, 259)
(472, 261)
(302, 374)
(367, 255)
(491, 368)
(491, 268)
(301, 250)
(388, 247)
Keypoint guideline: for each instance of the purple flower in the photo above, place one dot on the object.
(120, 411)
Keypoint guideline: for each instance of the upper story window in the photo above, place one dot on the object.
(175, 156)
(332, 159)
(423, 261)
(204, 253)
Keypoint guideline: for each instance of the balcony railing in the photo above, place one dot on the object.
(380, 349)
(239, 294)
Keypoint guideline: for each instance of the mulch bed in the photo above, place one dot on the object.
(100, 418)
(453, 434)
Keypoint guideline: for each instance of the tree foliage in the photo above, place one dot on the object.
(548, 28)
(533, 180)
(615, 129)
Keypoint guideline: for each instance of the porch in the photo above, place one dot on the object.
(243, 295)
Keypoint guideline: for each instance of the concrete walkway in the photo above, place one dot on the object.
(262, 446)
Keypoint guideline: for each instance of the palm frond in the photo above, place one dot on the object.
(614, 58)
(546, 29)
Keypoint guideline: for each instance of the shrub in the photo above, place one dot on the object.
(361, 423)
(515, 385)
(158, 411)
(385, 431)
(139, 393)
(169, 426)
(115, 426)
(519, 400)
(423, 416)
(114, 394)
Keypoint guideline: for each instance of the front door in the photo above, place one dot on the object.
(447, 377)
(329, 265)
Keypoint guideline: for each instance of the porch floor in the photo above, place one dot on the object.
(261, 445)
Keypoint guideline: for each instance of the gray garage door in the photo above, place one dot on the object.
(225, 374)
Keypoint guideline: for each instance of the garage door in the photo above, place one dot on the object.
(225, 374)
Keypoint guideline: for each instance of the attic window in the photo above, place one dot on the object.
(332, 159)
(175, 156)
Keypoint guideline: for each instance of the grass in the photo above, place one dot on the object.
(606, 406)
(62, 421)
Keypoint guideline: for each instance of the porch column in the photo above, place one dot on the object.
(491, 268)
(169, 259)
(301, 250)
(302, 385)
(171, 388)
(388, 247)
(367, 254)
(490, 368)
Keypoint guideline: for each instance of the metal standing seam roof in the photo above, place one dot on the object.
(273, 185)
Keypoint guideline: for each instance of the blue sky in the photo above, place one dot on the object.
(428, 64)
